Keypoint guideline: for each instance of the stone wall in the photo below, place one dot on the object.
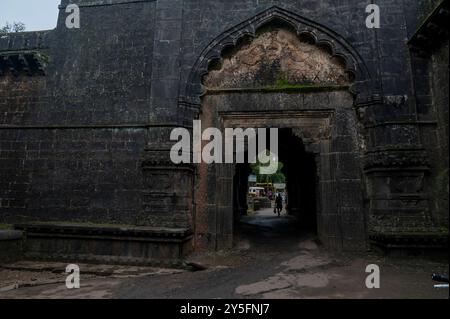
(11, 246)
(85, 114)
(439, 83)
(72, 137)
(84, 175)
(429, 61)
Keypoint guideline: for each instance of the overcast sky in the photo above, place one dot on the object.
(36, 14)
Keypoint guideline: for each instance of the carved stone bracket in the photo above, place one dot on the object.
(23, 62)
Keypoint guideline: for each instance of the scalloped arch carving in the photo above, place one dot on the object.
(305, 29)
(277, 55)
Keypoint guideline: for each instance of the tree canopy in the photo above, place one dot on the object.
(278, 177)
(13, 27)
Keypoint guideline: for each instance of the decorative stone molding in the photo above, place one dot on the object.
(156, 158)
(23, 62)
(279, 58)
(101, 230)
(410, 240)
(399, 208)
(115, 244)
(392, 222)
(167, 199)
(395, 157)
(316, 34)
(97, 3)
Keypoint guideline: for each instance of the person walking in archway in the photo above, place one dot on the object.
(279, 204)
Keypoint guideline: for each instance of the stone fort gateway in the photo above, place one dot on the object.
(86, 116)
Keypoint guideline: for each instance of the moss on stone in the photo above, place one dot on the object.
(82, 224)
(283, 86)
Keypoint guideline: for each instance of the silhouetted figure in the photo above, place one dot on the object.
(279, 204)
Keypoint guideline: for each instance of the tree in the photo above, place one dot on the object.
(278, 177)
(13, 27)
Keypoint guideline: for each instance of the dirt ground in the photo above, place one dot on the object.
(270, 261)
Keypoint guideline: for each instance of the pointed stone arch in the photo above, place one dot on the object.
(321, 113)
(314, 33)
(277, 57)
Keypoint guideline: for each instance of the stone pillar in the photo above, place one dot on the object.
(396, 169)
(399, 210)
(224, 212)
(168, 196)
(166, 63)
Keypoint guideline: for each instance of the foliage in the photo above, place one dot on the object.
(278, 177)
(13, 27)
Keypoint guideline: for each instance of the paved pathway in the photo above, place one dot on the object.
(271, 260)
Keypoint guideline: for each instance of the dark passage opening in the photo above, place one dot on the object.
(301, 174)
(256, 211)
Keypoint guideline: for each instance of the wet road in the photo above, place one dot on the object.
(271, 260)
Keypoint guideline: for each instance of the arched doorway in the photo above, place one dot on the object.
(286, 79)
(295, 181)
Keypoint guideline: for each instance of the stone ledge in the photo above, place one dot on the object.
(290, 88)
(109, 244)
(106, 260)
(101, 3)
(122, 231)
(396, 157)
(23, 41)
(409, 240)
(10, 235)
